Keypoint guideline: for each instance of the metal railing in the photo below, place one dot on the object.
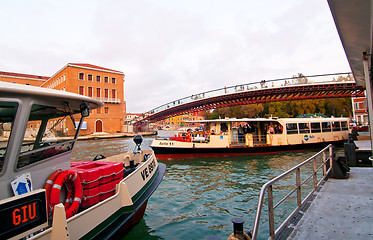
(327, 155)
(108, 100)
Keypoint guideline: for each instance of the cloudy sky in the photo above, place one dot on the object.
(169, 49)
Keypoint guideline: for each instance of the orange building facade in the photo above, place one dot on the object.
(20, 78)
(360, 111)
(100, 83)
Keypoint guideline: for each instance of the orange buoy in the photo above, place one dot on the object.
(48, 187)
(67, 177)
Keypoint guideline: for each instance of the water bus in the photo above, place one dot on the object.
(45, 195)
(253, 136)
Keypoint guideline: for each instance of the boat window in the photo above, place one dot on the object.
(304, 128)
(7, 114)
(223, 127)
(344, 126)
(50, 131)
(291, 128)
(325, 126)
(336, 126)
(315, 127)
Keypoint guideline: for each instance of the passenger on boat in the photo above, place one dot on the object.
(240, 134)
(277, 129)
(270, 130)
(245, 129)
(188, 137)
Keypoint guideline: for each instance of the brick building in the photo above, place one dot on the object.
(20, 78)
(360, 111)
(104, 84)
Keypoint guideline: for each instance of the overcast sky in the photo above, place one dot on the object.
(169, 49)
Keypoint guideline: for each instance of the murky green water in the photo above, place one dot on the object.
(198, 197)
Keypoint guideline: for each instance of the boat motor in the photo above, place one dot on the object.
(138, 140)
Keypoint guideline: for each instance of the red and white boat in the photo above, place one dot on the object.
(262, 135)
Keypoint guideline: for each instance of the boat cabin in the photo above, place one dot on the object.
(275, 131)
(37, 135)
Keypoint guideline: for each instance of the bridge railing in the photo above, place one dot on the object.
(276, 83)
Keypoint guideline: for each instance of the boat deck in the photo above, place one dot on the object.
(342, 209)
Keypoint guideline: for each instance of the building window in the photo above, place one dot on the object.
(98, 92)
(90, 77)
(98, 110)
(90, 92)
(113, 80)
(357, 106)
(81, 76)
(106, 79)
(114, 93)
(106, 110)
(81, 90)
(98, 78)
(106, 93)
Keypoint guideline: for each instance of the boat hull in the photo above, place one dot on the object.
(165, 153)
(113, 217)
(124, 219)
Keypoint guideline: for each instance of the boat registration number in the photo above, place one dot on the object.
(22, 213)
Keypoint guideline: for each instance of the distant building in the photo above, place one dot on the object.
(20, 78)
(132, 116)
(180, 121)
(360, 111)
(100, 83)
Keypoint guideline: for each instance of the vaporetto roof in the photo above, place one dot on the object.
(284, 120)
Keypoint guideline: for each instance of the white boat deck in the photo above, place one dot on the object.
(342, 209)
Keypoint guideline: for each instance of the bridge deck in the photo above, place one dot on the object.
(342, 209)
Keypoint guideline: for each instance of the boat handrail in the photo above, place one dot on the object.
(268, 188)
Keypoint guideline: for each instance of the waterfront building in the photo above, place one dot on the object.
(97, 82)
(360, 110)
(20, 78)
(130, 118)
(180, 120)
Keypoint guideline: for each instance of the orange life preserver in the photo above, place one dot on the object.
(48, 187)
(67, 177)
(70, 194)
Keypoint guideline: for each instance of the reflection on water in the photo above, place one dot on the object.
(198, 197)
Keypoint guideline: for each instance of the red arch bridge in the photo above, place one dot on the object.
(285, 89)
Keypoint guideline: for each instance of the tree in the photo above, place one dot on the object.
(330, 107)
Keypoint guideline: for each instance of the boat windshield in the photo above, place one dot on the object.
(50, 131)
(7, 114)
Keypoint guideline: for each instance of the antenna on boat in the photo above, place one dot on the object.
(138, 140)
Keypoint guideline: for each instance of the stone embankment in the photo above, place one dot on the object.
(103, 135)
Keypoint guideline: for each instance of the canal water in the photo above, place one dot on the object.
(198, 197)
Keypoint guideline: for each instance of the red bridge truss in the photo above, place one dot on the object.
(253, 94)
